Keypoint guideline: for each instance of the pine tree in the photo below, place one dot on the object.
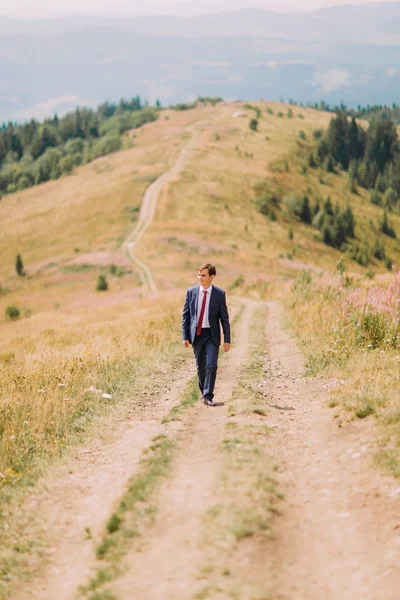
(327, 235)
(328, 208)
(305, 211)
(349, 221)
(385, 227)
(19, 266)
(338, 231)
(316, 208)
(311, 161)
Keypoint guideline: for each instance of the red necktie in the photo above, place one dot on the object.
(203, 307)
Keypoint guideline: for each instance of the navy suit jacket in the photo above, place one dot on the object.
(218, 312)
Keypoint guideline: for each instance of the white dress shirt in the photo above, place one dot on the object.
(206, 322)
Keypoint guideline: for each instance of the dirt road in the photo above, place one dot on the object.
(338, 531)
(147, 210)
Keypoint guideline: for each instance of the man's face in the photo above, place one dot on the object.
(204, 278)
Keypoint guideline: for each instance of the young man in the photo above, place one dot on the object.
(204, 309)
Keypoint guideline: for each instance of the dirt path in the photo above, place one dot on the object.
(147, 210)
(76, 497)
(168, 563)
(339, 534)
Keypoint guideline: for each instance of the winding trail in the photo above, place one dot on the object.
(147, 211)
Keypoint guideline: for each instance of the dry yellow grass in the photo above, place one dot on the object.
(369, 377)
(209, 213)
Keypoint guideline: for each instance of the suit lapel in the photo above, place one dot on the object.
(195, 299)
(212, 297)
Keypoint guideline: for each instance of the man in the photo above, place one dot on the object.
(204, 309)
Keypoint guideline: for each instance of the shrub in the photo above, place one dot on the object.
(184, 106)
(12, 313)
(102, 284)
(360, 255)
(317, 134)
(253, 124)
(293, 205)
(388, 263)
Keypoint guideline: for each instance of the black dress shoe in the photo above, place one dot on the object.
(209, 402)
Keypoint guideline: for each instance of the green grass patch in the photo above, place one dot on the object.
(189, 397)
(365, 411)
(132, 512)
(136, 510)
(84, 268)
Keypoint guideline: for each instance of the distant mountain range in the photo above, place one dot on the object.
(344, 54)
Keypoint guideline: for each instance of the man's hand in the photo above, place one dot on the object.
(227, 347)
(186, 343)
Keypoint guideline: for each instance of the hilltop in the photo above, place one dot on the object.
(59, 227)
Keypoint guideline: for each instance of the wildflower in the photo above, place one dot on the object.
(12, 437)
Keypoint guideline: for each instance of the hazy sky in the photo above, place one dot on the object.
(51, 8)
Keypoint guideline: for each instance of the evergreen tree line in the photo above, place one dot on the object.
(368, 112)
(372, 157)
(336, 226)
(379, 111)
(35, 152)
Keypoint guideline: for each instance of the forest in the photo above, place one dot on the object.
(34, 152)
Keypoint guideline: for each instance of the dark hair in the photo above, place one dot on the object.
(210, 268)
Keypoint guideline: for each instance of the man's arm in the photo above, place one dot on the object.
(186, 321)
(224, 317)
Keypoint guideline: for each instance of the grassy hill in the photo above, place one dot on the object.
(69, 230)
(71, 336)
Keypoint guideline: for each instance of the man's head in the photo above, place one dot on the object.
(206, 274)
